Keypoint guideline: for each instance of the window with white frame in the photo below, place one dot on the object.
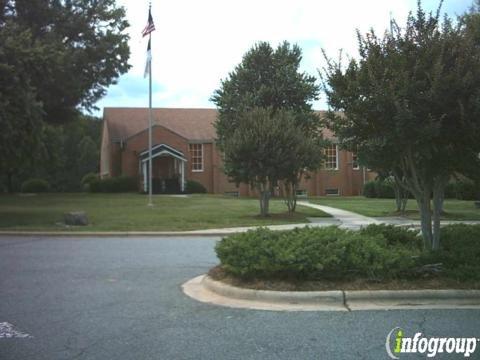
(196, 154)
(331, 157)
(355, 164)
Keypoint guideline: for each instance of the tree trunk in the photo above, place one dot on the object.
(438, 197)
(290, 196)
(423, 201)
(401, 196)
(264, 199)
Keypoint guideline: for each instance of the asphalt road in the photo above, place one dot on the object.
(120, 298)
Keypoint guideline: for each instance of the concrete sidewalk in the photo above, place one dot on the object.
(342, 218)
(347, 219)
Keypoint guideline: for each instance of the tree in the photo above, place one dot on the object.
(413, 98)
(266, 78)
(270, 79)
(56, 57)
(84, 50)
(20, 111)
(267, 147)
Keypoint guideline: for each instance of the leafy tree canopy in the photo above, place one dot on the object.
(80, 49)
(266, 148)
(266, 78)
(412, 105)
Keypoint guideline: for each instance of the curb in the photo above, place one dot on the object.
(335, 297)
(219, 293)
(204, 232)
(111, 233)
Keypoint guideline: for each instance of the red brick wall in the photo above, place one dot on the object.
(125, 162)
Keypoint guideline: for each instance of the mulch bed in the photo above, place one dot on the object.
(431, 282)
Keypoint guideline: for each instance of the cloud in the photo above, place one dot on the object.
(197, 43)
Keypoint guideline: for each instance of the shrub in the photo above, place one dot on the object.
(114, 184)
(395, 235)
(194, 187)
(309, 253)
(87, 179)
(369, 189)
(384, 189)
(451, 191)
(459, 253)
(35, 186)
(467, 190)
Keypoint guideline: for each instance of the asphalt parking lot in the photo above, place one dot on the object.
(121, 298)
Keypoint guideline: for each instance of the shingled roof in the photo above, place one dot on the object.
(192, 124)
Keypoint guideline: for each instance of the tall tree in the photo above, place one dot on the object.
(85, 49)
(413, 98)
(20, 111)
(57, 57)
(268, 147)
(267, 79)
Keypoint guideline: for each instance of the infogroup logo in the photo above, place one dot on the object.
(397, 343)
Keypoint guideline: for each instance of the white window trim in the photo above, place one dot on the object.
(203, 167)
(336, 160)
(358, 165)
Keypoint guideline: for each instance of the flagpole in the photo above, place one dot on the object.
(150, 203)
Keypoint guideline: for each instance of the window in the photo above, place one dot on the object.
(332, 192)
(196, 154)
(331, 157)
(355, 164)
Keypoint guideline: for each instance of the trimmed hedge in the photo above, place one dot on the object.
(461, 190)
(382, 189)
(194, 187)
(35, 186)
(114, 185)
(460, 252)
(467, 190)
(87, 179)
(377, 251)
(311, 253)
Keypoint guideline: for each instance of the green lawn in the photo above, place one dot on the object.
(454, 209)
(129, 212)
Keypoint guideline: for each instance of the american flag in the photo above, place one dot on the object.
(150, 25)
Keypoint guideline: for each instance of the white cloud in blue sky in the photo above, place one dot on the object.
(197, 43)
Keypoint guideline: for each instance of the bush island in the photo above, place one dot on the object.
(194, 187)
(35, 186)
(379, 252)
(459, 253)
(114, 184)
(311, 253)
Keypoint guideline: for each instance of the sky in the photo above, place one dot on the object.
(197, 43)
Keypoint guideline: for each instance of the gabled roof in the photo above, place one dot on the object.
(192, 124)
(162, 149)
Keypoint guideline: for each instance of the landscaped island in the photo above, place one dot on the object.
(376, 257)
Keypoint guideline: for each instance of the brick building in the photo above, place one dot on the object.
(184, 149)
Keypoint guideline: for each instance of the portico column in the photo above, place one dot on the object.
(145, 180)
(182, 173)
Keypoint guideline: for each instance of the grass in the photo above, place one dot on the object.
(454, 209)
(129, 212)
